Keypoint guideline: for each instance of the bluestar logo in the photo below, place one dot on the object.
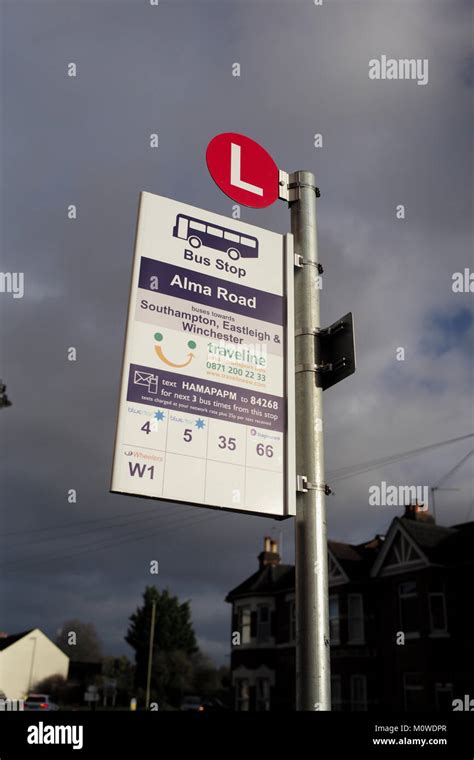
(41, 734)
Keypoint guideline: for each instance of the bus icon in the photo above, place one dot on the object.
(198, 232)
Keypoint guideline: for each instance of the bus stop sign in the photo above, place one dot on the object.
(243, 170)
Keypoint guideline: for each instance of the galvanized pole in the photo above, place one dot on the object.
(313, 690)
(150, 654)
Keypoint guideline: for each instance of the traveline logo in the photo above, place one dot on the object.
(41, 734)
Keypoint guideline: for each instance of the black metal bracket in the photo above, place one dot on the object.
(334, 352)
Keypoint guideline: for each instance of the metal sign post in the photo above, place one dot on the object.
(312, 637)
(322, 358)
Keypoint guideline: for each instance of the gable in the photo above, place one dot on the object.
(400, 552)
(43, 644)
(335, 572)
(8, 641)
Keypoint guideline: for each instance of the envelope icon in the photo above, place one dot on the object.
(148, 379)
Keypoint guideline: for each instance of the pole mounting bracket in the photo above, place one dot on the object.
(303, 485)
(290, 191)
(296, 186)
(321, 368)
(305, 368)
(302, 262)
(306, 330)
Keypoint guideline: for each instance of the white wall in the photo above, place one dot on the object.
(24, 663)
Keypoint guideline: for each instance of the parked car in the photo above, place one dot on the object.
(192, 703)
(214, 704)
(39, 702)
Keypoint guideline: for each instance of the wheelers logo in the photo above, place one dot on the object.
(160, 354)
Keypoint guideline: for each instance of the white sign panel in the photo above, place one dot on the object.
(204, 413)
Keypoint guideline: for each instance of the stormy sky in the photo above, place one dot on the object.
(167, 69)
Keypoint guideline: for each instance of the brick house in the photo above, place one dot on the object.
(399, 632)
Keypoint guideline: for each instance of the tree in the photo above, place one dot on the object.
(172, 676)
(4, 400)
(55, 686)
(120, 671)
(79, 641)
(206, 678)
(174, 643)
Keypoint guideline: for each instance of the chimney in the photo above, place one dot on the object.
(418, 512)
(270, 555)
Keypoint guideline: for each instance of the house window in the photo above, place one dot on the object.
(334, 619)
(244, 618)
(358, 693)
(243, 694)
(336, 693)
(438, 612)
(413, 691)
(263, 630)
(293, 620)
(444, 697)
(263, 694)
(356, 618)
(408, 600)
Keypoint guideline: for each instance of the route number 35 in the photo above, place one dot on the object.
(227, 443)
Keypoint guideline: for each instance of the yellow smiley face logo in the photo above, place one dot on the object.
(160, 354)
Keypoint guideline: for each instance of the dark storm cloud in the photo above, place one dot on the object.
(85, 141)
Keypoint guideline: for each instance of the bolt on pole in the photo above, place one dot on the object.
(313, 690)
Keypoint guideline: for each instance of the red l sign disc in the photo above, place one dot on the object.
(243, 169)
